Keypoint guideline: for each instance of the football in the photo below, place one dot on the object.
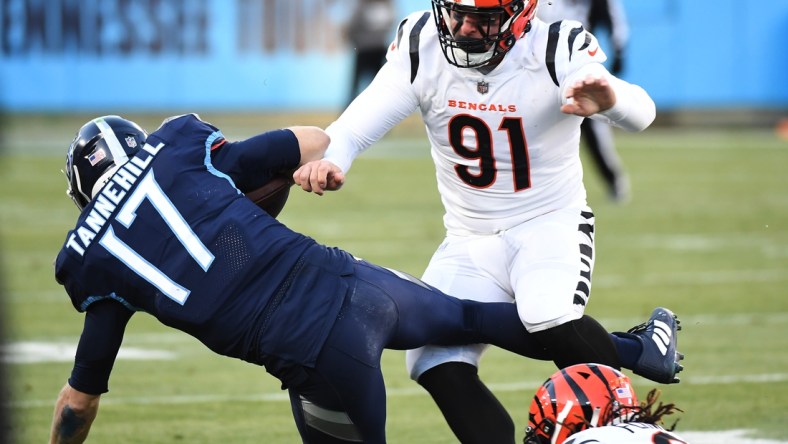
(272, 196)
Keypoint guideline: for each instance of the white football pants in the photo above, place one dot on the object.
(544, 265)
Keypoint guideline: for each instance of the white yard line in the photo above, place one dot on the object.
(693, 437)
(524, 386)
(164, 339)
(700, 278)
(34, 352)
(691, 278)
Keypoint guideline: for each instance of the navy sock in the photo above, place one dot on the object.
(628, 347)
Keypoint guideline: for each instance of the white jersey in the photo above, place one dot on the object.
(609, 13)
(629, 433)
(504, 152)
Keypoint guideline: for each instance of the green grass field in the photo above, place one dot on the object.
(706, 235)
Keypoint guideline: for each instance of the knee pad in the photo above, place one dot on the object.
(333, 423)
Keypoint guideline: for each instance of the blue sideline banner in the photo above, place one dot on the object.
(235, 55)
(169, 54)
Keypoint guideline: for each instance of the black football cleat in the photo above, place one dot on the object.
(659, 360)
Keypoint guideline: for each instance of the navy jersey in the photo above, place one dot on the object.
(172, 235)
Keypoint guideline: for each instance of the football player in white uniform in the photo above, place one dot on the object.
(594, 403)
(502, 95)
(595, 15)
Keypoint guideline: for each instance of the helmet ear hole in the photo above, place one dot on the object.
(548, 427)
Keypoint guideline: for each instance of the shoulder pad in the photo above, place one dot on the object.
(569, 46)
(406, 44)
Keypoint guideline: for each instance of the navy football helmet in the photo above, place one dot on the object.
(100, 147)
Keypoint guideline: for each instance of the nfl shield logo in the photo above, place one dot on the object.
(130, 142)
(483, 87)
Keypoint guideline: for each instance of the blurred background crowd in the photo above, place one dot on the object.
(725, 59)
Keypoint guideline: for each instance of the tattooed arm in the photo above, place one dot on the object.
(74, 414)
(78, 402)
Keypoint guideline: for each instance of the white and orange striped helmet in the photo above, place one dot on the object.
(576, 398)
(500, 24)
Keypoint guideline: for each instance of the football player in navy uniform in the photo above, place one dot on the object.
(594, 403)
(165, 228)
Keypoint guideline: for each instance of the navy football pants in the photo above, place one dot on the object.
(344, 397)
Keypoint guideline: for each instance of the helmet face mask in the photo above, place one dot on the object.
(499, 23)
(576, 398)
(100, 147)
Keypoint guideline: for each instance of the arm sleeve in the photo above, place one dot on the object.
(634, 109)
(388, 100)
(102, 334)
(252, 162)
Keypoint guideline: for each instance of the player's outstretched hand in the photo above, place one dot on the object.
(589, 96)
(319, 176)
